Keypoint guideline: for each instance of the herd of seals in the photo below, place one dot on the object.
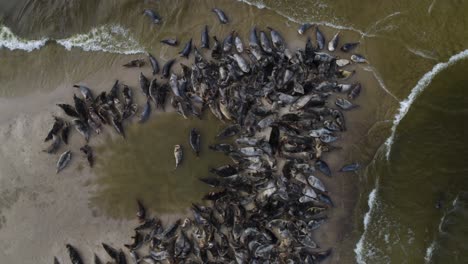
(268, 202)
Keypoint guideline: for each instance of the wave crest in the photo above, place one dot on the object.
(106, 38)
(10, 41)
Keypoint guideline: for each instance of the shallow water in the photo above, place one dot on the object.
(143, 166)
(403, 40)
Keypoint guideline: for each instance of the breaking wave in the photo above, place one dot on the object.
(429, 252)
(106, 38)
(405, 105)
(360, 247)
(10, 41)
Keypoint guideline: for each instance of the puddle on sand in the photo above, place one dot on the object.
(142, 166)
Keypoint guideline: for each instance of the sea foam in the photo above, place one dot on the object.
(262, 5)
(10, 41)
(106, 38)
(360, 247)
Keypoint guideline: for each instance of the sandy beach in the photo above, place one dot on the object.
(41, 211)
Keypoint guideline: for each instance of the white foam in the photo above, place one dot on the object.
(257, 4)
(429, 252)
(323, 23)
(359, 249)
(112, 39)
(405, 105)
(10, 41)
(107, 38)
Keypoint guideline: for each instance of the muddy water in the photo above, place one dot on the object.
(143, 166)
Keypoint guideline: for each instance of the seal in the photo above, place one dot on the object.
(355, 91)
(358, 58)
(303, 28)
(265, 42)
(320, 39)
(167, 68)
(144, 84)
(179, 155)
(195, 141)
(82, 128)
(171, 42)
(63, 161)
(155, 18)
(228, 41)
(187, 49)
(88, 152)
(253, 39)
(347, 47)
(277, 40)
(350, 167)
(74, 255)
(154, 63)
(221, 15)
(334, 42)
(239, 44)
(146, 112)
(205, 38)
(134, 63)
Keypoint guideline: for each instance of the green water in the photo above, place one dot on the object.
(427, 165)
(403, 40)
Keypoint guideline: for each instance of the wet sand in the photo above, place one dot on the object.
(41, 211)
